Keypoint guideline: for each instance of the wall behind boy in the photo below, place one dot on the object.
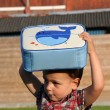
(12, 90)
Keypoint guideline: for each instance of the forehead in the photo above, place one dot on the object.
(55, 74)
(49, 72)
(56, 71)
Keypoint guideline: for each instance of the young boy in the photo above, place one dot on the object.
(59, 91)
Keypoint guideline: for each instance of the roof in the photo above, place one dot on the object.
(89, 20)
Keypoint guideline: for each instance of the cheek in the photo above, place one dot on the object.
(58, 90)
(62, 91)
(59, 93)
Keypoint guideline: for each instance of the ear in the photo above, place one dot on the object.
(75, 83)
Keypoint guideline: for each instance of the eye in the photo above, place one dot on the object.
(56, 83)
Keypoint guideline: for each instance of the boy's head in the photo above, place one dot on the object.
(60, 83)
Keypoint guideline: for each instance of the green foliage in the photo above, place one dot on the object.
(18, 108)
(94, 108)
(101, 108)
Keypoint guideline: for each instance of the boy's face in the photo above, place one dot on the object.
(58, 85)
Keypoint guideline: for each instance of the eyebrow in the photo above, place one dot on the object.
(51, 80)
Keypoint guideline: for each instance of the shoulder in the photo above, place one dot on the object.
(80, 100)
(80, 97)
(41, 98)
(41, 91)
(39, 95)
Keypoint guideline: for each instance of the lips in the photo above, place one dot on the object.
(50, 95)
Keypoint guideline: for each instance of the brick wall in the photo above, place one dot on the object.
(70, 5)
(87, 4)
(12, 90)
(14, 3)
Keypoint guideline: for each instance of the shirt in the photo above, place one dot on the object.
(74, 101)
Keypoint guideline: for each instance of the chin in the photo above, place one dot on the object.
(54, 99)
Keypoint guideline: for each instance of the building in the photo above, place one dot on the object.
(94, 15)
(41, 7)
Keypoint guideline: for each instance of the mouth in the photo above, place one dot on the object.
(50, 95)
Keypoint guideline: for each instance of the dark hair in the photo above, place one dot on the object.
(74, 73)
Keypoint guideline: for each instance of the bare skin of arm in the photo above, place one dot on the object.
(94, 90)
(30, 80)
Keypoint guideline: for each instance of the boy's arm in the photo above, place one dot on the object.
(30, 80)
(94, 90)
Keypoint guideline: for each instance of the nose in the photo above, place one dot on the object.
(48, 86)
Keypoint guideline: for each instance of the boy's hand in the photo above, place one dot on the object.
(86, 36)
